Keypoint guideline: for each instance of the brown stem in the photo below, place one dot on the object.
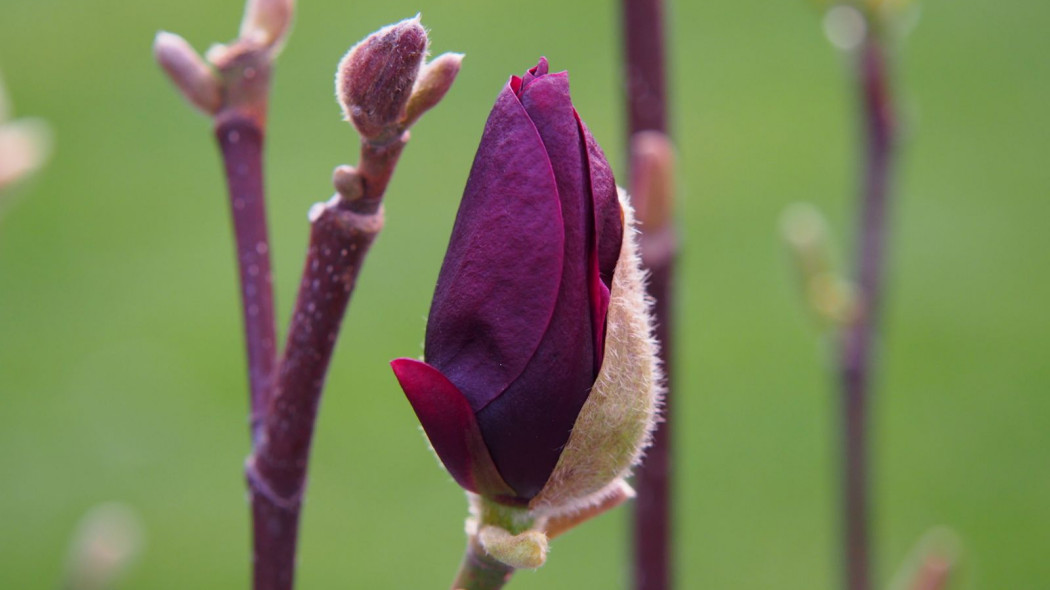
(646, 90)
(857, 338)
(276, 471)
(240, 139)
(479, 571)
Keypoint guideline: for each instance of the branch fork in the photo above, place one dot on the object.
(390, 88)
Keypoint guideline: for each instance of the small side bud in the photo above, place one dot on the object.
(267, 22)
(348, 183)
(375, 78)
(434, 81)
(24, 147)
(191, 74)
(527, 550)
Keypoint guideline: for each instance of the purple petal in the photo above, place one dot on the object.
(600, 297)
(451, 427)
(541, 69)
(498, 286)
(528, 425)
(608, 215)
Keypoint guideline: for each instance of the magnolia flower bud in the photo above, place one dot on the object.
(539, 387)
(375, 78)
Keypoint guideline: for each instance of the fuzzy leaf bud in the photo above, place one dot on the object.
(267, 21)
(433, 83)
(376, 77)
(188, 71)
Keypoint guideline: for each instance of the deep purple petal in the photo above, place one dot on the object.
(600, 297)
(608, 215)
(528, 425)
(541, 69)
(498, 286)
(451, 427)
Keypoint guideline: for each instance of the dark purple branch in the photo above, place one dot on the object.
(858, 337)
(646, 89)
(276, 471)
(375, 170)
(241, 142)
(340, 237)
(479, 571)
(643, 27)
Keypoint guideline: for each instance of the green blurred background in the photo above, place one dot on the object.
(121, 363)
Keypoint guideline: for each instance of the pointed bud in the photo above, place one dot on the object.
(527, 550)
(191, 74)
(434, 81)
(24, 147)
(267, 21)
(375, 78)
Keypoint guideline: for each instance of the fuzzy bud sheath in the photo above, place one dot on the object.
(540, 387)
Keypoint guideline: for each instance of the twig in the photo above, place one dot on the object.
(857, 337)
(276, 471)
(233, 87)
(342, 231)
(241, 142)
(647, 111)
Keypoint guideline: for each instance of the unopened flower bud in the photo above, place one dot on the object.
(267, 21)
(375, 78)
(434, 81)
(540, 385)
(189, 72)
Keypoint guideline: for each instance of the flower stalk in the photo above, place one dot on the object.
(652, 194)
